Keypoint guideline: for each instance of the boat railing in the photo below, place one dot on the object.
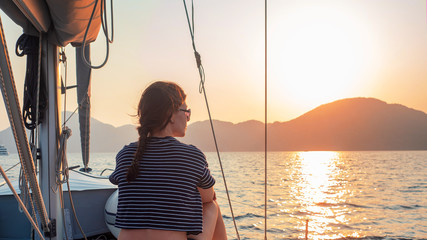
(106, 169)
(88, 174)
(21, 204)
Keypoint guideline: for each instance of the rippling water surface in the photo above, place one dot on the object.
(340, 194)
(370, 195)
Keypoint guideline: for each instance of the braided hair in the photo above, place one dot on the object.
(156, 106)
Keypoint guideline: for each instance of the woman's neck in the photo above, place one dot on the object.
(165, 132)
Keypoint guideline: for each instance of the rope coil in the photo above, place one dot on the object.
(62, 175)
(105, 30)
(61, 162)
(35, 100)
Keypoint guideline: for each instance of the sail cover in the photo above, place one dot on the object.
(64, 21)
(83, 99)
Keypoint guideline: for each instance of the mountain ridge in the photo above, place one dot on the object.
(347, 124)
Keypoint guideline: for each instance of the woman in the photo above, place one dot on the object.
(163, 182)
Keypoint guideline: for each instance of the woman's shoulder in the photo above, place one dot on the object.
(130, 146)
(189, 147)
(128, 149)
(191, 151)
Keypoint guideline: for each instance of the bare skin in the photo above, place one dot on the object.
(151, 234)
(213, 224)
(220, 232)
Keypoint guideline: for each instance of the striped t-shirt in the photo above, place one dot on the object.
(164, 195)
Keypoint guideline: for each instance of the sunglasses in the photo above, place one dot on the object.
(187, 112)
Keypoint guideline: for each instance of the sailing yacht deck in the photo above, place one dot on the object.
(89, 195)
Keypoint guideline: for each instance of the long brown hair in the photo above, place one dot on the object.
(156, 106)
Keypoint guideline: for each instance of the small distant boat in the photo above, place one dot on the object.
(3, 151)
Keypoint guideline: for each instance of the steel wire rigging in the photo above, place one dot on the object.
(203, 90)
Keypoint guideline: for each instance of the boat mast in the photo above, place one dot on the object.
(50, 130)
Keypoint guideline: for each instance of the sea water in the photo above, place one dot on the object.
(367, 195)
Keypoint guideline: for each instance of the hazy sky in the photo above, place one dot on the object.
(319, 51)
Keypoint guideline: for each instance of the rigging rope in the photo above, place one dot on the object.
(39, 65)
(265, 122)
(109, 40)
(27, 214)
(61, 161)
(35, 101)
(32, 47)
(12, 104)
(63, 60)
(26, 196)
(12, 166)
(105, 29)
(104, 19)
(74, 210)
(62, 173)
(71, 115)
(202, 89)
(61, 200)
(23, 188)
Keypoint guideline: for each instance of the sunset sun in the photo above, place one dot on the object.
(324, 59)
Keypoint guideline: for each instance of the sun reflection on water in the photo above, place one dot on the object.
(319, 194)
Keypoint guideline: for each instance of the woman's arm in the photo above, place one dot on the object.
(207, 195)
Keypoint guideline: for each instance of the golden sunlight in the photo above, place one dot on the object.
(326, 57)
(317, 168)
(318, 194)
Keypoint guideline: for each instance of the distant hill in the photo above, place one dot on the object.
(347, 124)
(245, 136)
(104, 137)
(353, 124)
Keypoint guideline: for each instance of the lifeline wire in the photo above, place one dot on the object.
(12, 166)
(202, 89)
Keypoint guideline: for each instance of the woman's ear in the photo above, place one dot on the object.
(172, 119)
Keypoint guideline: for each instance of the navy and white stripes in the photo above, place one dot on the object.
(164, 195)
